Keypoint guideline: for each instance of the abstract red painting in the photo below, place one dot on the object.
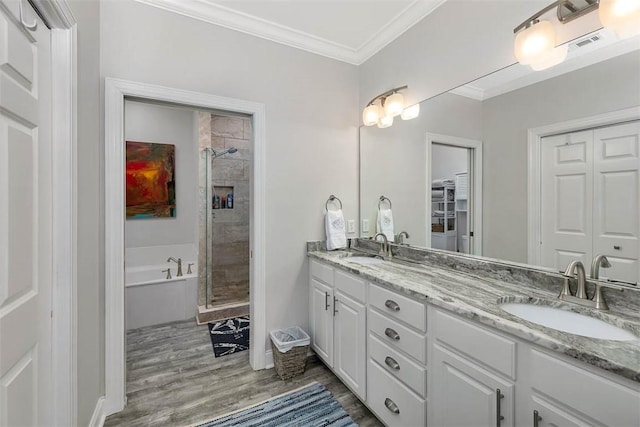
(150, 180)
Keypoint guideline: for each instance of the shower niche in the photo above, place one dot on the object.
(225, 172)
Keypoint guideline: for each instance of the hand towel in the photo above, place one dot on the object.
(334, 225)
(384, 224)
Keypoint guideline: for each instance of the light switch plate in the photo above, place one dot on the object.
(351, 226)
(365, 225)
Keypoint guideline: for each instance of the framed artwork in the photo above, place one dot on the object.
(150, 180)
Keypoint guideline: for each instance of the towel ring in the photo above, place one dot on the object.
(331, 199)
(382, 200)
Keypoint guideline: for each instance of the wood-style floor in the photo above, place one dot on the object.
(173, 379)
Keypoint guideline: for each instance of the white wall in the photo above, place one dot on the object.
(393, 160)
(608, 86)
(90, 213)
(146, 122)
(311, 124)
(447, 161)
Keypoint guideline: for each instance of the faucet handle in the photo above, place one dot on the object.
(168, 270)
(189, 268)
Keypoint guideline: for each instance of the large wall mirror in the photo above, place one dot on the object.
(531, 167)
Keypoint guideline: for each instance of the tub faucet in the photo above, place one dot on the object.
(179, 262)
(385, 249)
(598, 298)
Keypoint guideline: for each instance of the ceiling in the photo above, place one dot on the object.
(348, 30)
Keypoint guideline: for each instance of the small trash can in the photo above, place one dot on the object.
(290, 347)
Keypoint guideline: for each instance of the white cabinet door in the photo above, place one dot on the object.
(566, 199)
(25, 219)
(616, 217)
(548, 415)
(350, 332)
(321, 320)
(462, 394)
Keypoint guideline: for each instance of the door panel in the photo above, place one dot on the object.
(567, 187)
(616, 199)
(350, 334)
(322, 320)
(25, 220)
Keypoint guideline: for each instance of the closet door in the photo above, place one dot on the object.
(616, 199)
(566, 199)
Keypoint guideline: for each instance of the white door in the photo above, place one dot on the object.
(566, 199)
(616, 216)
(321, 306)
(350, 335)
(590, 199)
(25, 218)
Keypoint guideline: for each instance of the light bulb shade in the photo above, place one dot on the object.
(393, 105)
(385, 122)
(371, 115)
(535, 43)
(555, 57)
(621, 16)
(411, 112)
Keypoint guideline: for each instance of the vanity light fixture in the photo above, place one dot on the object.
(536, 45)
(383, 108)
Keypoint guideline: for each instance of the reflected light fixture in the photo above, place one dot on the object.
(535, 42)
(383, 108)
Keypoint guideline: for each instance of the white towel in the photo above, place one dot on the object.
(385, 223)
(334, 225)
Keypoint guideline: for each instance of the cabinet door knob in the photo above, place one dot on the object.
(391, 405)
(391, 362)
(536, 418)
(392, 334)
(392, 305)
(499, 397)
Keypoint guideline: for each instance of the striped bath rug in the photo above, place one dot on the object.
(312, 405)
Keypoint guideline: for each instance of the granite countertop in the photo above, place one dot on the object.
(476, 297)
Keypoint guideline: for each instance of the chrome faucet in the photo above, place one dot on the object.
(179, 262)
(598, 298)
(569, 273)
(400, 237)
(385, 249)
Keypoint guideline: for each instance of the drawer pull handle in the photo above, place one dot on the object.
(392, 305)
(499, 397)
(391, 362)
(616, 247)
(536, 418)
(390, 404)
(326, 301)
(392, 334)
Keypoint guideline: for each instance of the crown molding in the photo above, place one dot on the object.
(470, 91)
(248, 24)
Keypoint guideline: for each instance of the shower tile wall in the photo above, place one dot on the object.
(228, 238)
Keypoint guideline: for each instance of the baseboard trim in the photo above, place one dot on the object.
(98, 417)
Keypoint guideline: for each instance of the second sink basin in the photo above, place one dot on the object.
(568, 321)
(364, 260)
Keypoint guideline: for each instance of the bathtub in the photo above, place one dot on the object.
(151, 298)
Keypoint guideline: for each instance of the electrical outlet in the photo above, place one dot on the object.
(351, 226)
(365, 225)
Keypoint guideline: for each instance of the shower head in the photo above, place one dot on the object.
(221, 153)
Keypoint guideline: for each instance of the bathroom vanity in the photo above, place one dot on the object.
(426, 343)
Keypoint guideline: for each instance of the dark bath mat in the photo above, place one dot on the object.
(229, 336)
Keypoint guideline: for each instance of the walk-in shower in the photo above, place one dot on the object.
(225, 168)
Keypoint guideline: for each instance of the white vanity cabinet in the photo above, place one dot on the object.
(397, 347)
(472, 381)
(338, 323)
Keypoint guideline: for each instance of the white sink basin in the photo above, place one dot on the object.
(364, 260)
(568, 321)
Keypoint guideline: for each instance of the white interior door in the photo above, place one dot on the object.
(566, 199)
(616, 199)
(25, 218)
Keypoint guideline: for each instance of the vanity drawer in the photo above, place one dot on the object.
(322, 272)
(391, 401)
(350, 285)
(399, 307)
(398, 365)
(479, 344)
(387, 329)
